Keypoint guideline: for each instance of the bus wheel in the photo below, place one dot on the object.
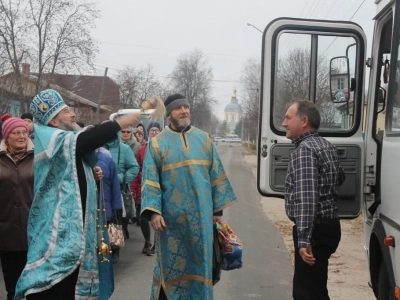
(384, 289)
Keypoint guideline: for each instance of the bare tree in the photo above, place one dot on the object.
(293, 83)
(192, 77)
(250, 103)
(62, 39)
(137, 85)
(223, 129)
(53, 35)
(13, 30)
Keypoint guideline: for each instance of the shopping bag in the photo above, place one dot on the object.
(231, 247)
(115, 233)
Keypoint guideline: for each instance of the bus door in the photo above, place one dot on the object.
(323, 62)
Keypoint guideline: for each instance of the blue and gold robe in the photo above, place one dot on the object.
(58, 240)
(185, 182)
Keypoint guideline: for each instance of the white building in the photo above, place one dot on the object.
(233, 112)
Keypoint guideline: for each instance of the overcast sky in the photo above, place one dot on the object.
(134, 33)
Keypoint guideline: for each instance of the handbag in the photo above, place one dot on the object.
(217, 257)
(127, 198)
(127, 201)
(231, 247)
(115, 233)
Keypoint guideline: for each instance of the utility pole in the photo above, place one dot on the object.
(101, 96)
(242, 129)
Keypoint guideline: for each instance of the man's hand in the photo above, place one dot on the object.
(307, 255)
(218, 219)
(128, 120)
(97, 173)
(157, 222)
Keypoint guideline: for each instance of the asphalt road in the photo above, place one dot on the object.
(266, 272)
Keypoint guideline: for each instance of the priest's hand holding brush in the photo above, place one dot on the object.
(132, 119)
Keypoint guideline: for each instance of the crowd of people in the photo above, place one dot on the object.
(51, 175)
(52, 168)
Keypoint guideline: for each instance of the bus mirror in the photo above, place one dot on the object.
(339, 75)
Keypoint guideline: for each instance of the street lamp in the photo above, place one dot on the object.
(248, 24)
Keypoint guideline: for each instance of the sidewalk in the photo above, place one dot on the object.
(348, 273)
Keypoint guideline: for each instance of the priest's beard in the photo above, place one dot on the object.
(180, 124)
(68, 126)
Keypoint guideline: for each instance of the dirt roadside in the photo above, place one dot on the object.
(348, 273)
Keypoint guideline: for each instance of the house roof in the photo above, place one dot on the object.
(88, 87)
(63, 91)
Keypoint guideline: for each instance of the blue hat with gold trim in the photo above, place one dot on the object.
(46, 105)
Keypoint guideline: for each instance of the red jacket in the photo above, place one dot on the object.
(136, 185)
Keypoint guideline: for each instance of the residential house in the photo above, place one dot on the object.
(89, 87)
(13, 102)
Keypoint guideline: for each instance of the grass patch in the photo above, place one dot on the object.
(250, 147)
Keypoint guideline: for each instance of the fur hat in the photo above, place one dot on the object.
(46, 105)
(10, 124)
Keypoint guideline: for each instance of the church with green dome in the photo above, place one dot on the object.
(233, 112)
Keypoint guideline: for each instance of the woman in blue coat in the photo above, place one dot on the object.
(127, 168)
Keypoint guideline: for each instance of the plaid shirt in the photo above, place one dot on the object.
(313, 174)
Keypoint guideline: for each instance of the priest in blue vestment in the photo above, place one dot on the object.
(62, 259)
(184, 191)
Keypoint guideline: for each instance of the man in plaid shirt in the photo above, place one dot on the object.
(311, 198)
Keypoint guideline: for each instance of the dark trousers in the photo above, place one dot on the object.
(310, 282)
(124, 223)
(64, 290)
(13, 263)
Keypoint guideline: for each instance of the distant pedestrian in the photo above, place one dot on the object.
(140, 138)
(128, 138)
(28, 118)
(311, 200)
(184, 190)
(141, 128)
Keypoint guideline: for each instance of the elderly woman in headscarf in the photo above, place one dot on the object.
(16, 195)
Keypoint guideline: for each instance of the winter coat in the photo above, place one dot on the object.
(136, 186)
(133, 144)
(16, 195)
(124, 159)
(111, 189)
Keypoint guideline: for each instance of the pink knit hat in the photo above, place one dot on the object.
(10, 124)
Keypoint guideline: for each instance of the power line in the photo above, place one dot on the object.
(357, 10)
(333, 4)
(349, 20)
(304, 8)
(168, 76)
(315, 7)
